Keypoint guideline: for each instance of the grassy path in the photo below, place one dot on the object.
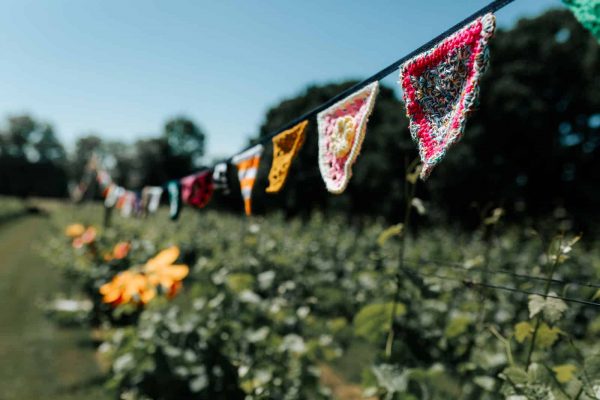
(38, 359)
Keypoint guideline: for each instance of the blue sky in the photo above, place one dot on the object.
(121, 68)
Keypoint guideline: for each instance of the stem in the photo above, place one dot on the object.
(408, 195)
(546, 290)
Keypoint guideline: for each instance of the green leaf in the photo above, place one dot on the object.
(565, 372)
(536, 305)
(486, 382)
(552, 308)
(394, 230)
(516, 375)
(457, 326)
(391, 378)
(523, 330)
(237, 283)
(374, 319)
(546, 336)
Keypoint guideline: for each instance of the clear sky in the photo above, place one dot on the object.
(120, 68)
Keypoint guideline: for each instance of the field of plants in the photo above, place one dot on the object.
(218, 306)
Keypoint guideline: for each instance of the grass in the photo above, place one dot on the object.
(38, 359)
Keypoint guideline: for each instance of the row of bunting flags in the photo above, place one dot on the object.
(440, 88)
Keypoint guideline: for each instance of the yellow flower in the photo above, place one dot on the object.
(342, 137)
(74, 230)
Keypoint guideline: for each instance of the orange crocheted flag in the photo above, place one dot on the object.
(285, 147)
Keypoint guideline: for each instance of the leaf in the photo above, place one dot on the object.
(414, 175)
(493, 219)
(239, 282)
(394, 230)
(536, 305)
(374, 319)
(546, 336)
(597, 295)
(552, 308)
(457, 326)
(564, 372)
(391, 378)
(516, 375)
(418, 205)
(486, 382)
(523, 330)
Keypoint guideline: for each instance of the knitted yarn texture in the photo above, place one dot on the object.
(197, 189)
(285, 147)
(174, 191)
(247, 164)
(440, 88)
(587, 13)
(342, 129)
(219, 177)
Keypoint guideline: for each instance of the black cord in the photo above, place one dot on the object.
(470, 283)
(456, 265)
(491, 7)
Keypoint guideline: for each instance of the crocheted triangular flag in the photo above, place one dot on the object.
(219, 177)
(197, 189)
(174, 199)
(587, 13)
(113, 194)
(247, 164)
(151, 198)
(342, 130)
(441, 86)
(285, 147)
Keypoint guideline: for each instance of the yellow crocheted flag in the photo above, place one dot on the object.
(285, 147)
(342, 129)
(247, 164)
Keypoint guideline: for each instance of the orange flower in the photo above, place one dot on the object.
(161, 270)
(121, 250)
(139, 286)
(87, 237)
(74, 230)
(127, 287)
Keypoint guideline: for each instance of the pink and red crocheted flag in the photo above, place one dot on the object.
(342, 130)
(197, 189)
(441, 87)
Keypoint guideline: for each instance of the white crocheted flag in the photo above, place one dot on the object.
(342, 129)
(440, 88)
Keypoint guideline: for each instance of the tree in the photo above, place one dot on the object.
(32, 159)
(185, 145)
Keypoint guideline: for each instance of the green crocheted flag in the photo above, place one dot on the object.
(588, 14)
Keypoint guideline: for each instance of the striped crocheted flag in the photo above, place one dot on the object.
(285, 147)
(440, 89)
(197, 189)
(342, 129)
(587, 13)
(247, 164)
